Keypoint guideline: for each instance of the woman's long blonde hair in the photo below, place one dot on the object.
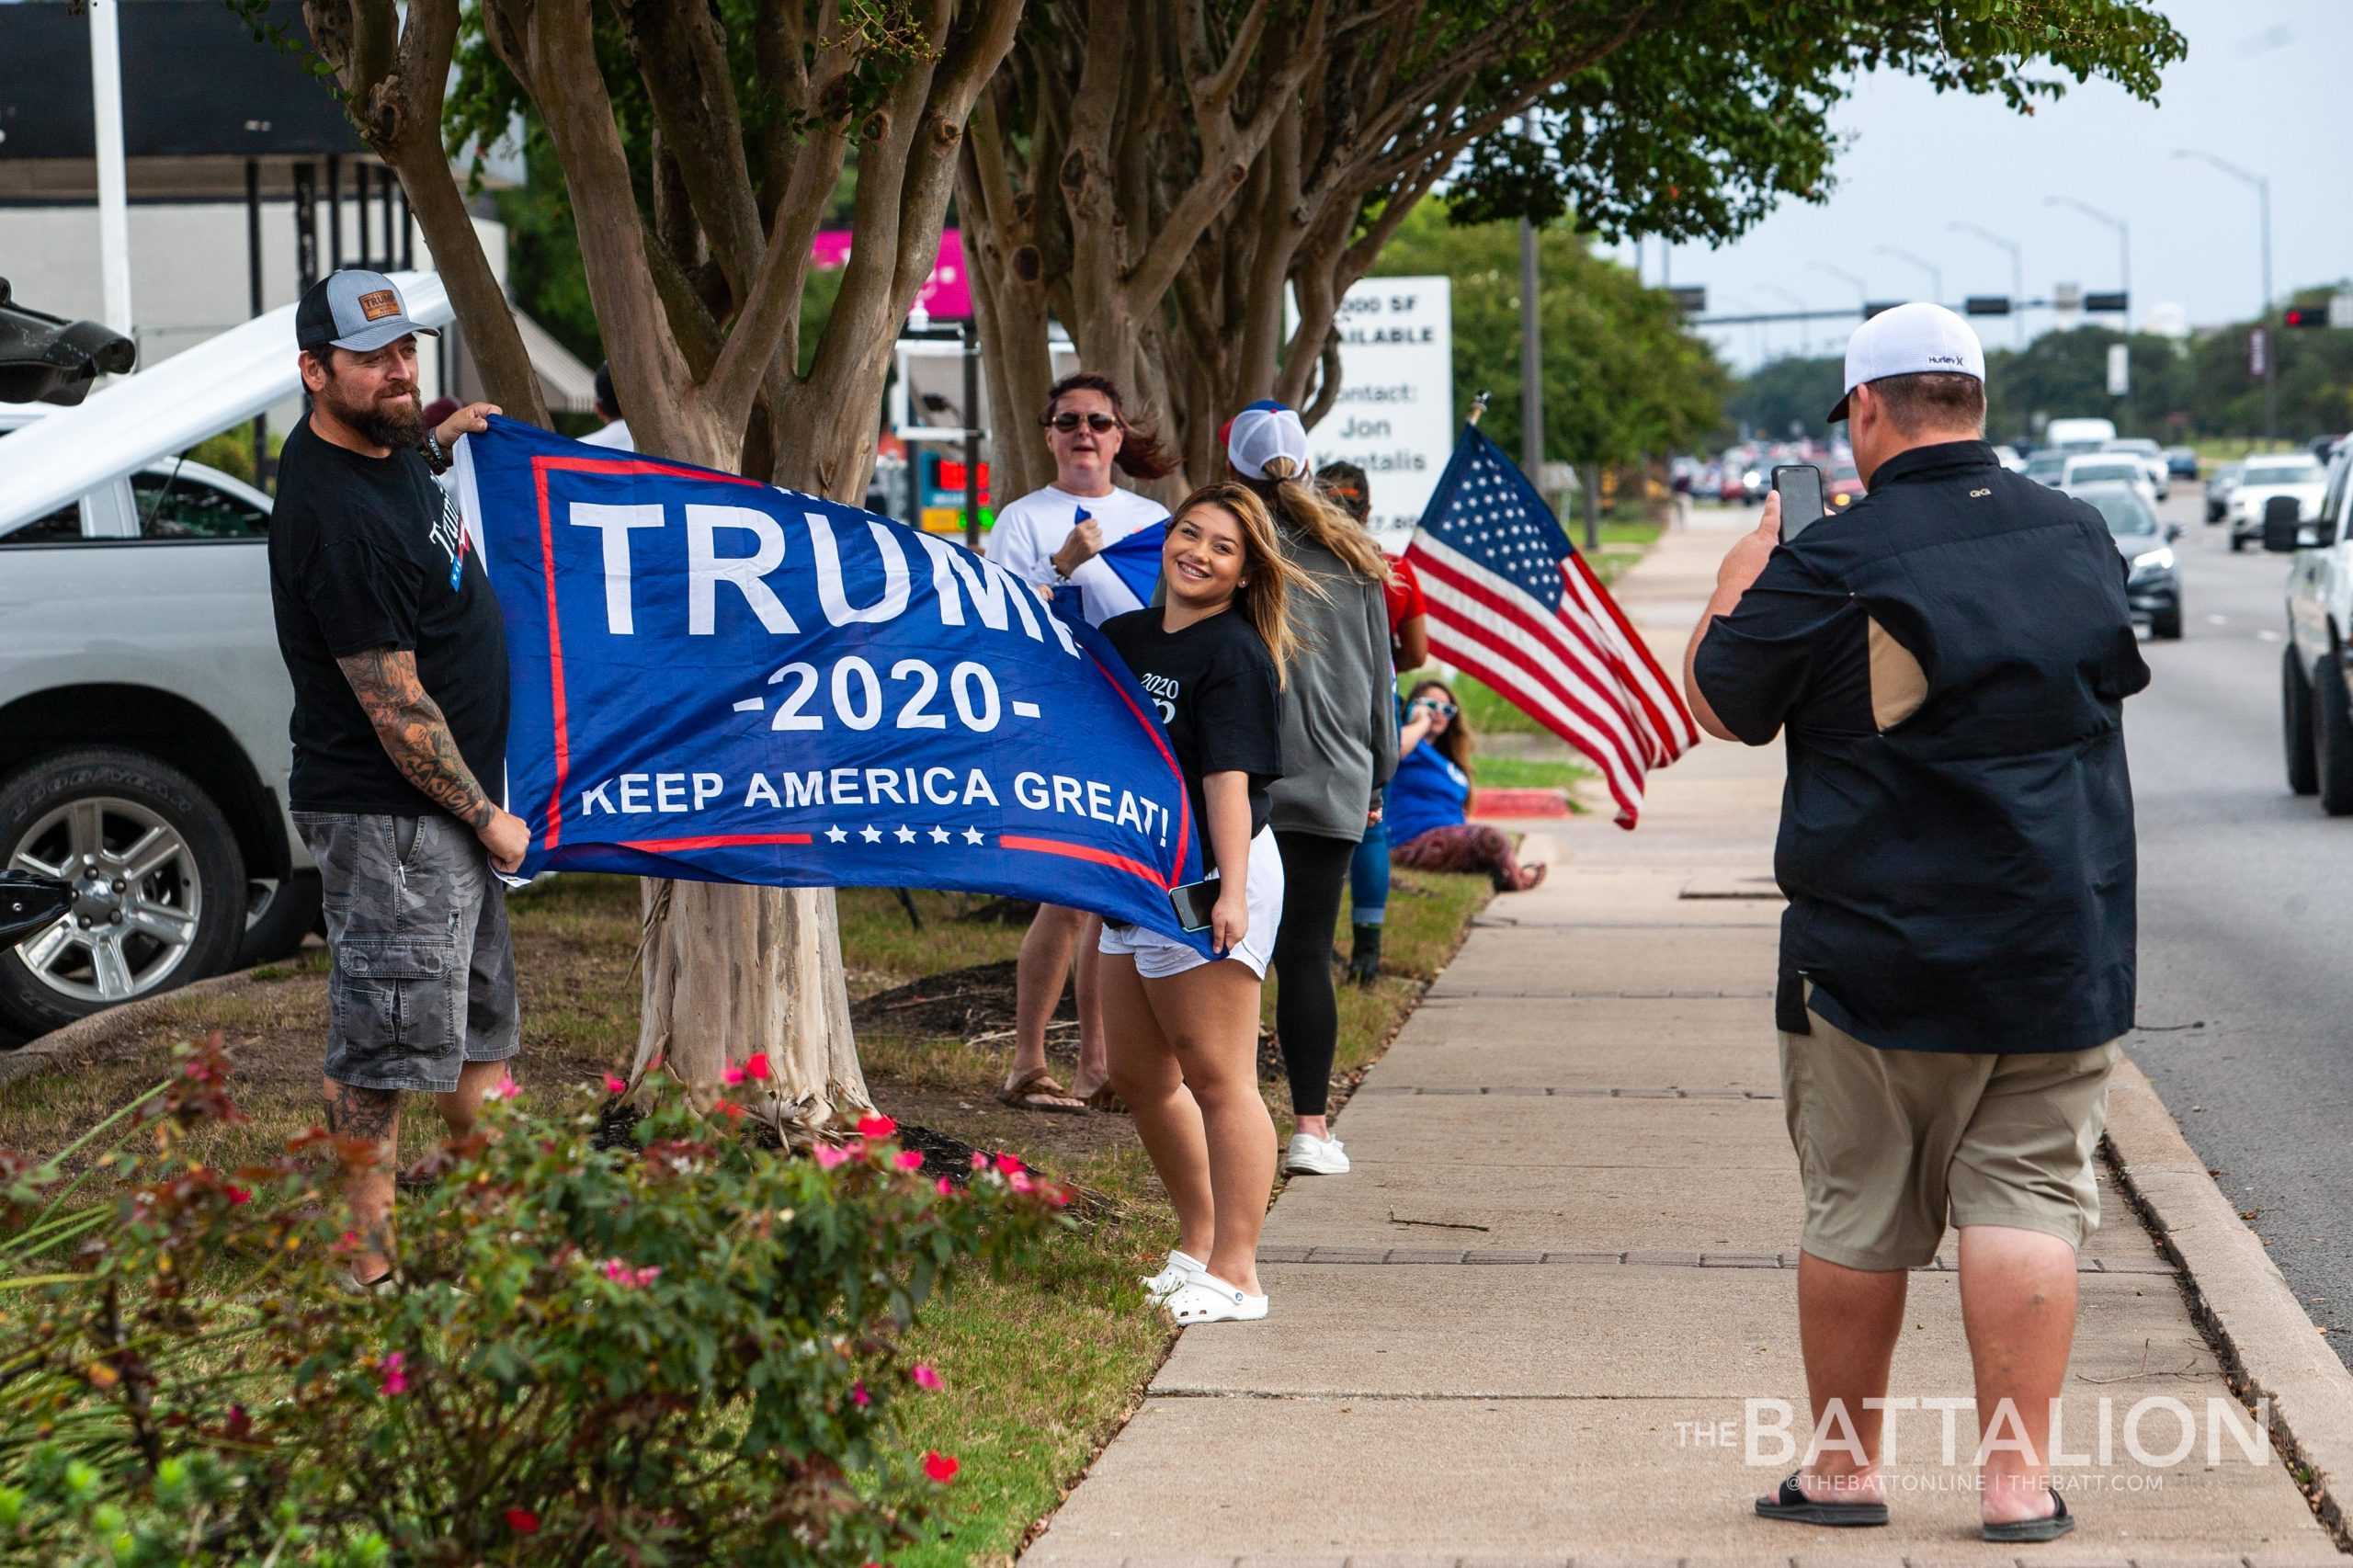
(1268, 574)
(1287, 490)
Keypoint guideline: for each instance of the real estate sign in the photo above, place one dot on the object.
(1395, 416)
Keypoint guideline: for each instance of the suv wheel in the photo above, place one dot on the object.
(2333, 719)
(159, 886)
(279, 912)
(2296, 723)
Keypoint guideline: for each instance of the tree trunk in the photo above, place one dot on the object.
(732, 972)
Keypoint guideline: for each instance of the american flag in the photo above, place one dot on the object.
(1513, 604)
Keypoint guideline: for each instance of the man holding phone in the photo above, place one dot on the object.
(1948, 658)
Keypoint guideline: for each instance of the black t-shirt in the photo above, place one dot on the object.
(1948, 660)
(1214, 687)
(367, 553)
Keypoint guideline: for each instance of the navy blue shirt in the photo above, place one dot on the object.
(1949, 659)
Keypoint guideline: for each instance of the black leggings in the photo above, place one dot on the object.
(1307, 1020)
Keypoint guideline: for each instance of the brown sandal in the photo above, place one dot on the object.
(1036, 1090)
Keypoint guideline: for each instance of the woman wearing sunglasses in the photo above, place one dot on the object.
(1431, 798)
(1050, 539)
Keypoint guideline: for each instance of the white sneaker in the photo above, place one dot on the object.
(1182, 1269)
(1310, 1156)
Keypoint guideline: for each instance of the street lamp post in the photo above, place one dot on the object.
(2017, 275)
(1936, 274)
(2271, 355)
(2123, 243)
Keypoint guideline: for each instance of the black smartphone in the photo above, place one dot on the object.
(1193, 902)
(1800, 487)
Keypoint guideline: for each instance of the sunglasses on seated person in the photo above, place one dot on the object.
(1098, 423)
(1433, 705)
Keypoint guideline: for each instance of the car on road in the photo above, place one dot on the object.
(2154, 587)
(2107, 468)
(2009, 457)
(2281, 474)
(2152, 459)
(2218, 488)
(2182, 461)
(2089, 435)
(2046, 468)
(1842, 486)
(2316, 665)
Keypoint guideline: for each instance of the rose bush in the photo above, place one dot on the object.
(680, 1350)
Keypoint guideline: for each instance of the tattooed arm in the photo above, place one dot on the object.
(416, 737)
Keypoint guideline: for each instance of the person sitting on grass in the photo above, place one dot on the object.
(1429, 799)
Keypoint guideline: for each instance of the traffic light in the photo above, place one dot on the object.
(2104, 301)
(1987, 305)
(1691, 301)
(1878, 307)
(2304, 315)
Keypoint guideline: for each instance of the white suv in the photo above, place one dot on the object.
(2316, 680)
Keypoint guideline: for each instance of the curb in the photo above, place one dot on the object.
(2271, 1348)
(53, 1050)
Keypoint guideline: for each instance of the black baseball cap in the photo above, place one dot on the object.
(355, 309)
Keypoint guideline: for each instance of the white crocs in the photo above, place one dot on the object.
(1208, 1298)
(1182, 1269)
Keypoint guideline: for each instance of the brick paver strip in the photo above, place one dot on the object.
(1359, 1256)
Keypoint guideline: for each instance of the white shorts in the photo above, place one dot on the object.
(1157, 958)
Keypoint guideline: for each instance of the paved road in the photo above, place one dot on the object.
(2247, 923)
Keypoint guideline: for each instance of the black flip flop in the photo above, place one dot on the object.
(1795, 1506)
(2050, 1527)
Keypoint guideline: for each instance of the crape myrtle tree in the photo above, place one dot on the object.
(1158, 174)
(700, 145)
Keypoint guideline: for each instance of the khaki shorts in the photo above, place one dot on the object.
(1891, 1142)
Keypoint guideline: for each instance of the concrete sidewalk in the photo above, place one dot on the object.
(1527, 1327)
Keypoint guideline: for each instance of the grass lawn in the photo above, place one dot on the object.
(1041, 1369)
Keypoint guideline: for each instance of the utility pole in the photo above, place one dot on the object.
(1862, 289)
(1936, 274)
(114, 206)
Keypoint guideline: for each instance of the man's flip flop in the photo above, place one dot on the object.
(1208, 1298)
(1794, 1506)
(1036, 1090)
(2050, 1527)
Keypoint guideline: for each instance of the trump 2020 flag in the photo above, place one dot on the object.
(1513, 603)
(715, 679)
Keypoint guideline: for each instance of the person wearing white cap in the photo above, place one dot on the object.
(1339, 750)
(1948, 658)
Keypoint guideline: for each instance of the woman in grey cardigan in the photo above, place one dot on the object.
(1339, 748)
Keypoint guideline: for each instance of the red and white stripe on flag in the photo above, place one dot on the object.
(1579, 670)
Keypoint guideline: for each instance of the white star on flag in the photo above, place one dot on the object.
(870, 835)
(835, 833)
(906, 834)
(939, 836)
(974, 835)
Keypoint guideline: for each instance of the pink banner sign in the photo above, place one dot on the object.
(946, 295)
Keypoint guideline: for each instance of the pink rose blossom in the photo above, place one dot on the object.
(620, 1272)
(859, 1396)
(395, 1375)
(239, 1194)
(1020, 1181)
(876, 1126)
(616, 1086)
(909, 1160)
(1006, 1165)
(980, 1160)
(831, 1155)
(941, 1467)
(507, 1089)
(733, 1076)
(947, 1187)
(925, 1376)
(755, 1066)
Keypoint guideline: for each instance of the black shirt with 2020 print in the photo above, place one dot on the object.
(1213, 687)
(367, 553)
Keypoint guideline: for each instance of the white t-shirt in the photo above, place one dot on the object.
(1030, 529)
(615, 435)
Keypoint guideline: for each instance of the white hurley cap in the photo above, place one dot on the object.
(1910, 340)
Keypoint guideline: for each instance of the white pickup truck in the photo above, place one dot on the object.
(2316, 668)
(143, 705)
